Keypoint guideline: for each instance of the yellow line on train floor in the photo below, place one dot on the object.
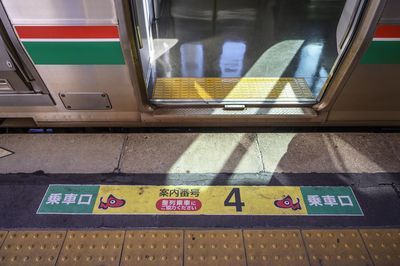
(231, 89)
(201, 247)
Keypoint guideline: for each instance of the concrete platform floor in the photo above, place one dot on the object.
(205, 153)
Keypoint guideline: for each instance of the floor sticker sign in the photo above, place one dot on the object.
(200, 200)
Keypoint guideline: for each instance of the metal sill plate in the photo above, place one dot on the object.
(249, 111)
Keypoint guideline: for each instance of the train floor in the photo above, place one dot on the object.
(245, 39)
(200, 199)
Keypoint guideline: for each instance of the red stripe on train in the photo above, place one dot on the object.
(388, 31)
(67, 32)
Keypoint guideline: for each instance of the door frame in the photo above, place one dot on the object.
(356, 43)
(130, 49)
(39, 95)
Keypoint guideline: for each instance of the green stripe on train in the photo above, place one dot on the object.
(382, 52)
(75, 53)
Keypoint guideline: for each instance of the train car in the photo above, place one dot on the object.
(136, 63)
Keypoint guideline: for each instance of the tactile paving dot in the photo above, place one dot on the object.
(92, 248)
(383, 245)
(335, 247)
(31, 248)
(223, 247)
(274, 247)
(153, 248)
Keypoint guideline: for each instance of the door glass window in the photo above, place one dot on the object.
(245, 51)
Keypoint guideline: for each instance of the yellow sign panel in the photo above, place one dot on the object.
(218, 200)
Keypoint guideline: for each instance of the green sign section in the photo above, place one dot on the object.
(331, 201)
(75, 53)
(69, 199)
(382, 52)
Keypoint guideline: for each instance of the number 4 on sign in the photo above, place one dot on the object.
(237, 202)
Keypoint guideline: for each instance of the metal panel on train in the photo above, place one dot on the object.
(199, 63)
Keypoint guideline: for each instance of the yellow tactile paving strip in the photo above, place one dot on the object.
(335, 247)
(31, 248)
(383, 246)
(232, 89)
(153, 248)
(3, 235)
(201, 247)
(274, 247)
(92, 248)
(224, 247)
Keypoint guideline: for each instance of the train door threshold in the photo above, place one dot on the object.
(232, 90)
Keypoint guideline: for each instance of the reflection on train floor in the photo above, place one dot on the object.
(241, 38)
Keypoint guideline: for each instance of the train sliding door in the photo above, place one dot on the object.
(143, 20)
(258, 52)
(20, 84)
